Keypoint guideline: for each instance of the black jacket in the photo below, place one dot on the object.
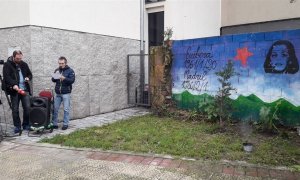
(11, 75)
(65, 86)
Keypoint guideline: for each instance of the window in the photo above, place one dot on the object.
(152, 1)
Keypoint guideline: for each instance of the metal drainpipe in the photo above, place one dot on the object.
(142, 51)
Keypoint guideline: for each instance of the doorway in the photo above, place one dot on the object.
(156, 28)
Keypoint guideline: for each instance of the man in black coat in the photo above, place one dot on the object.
(16, 75)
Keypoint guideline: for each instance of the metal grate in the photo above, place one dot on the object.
(138, 79)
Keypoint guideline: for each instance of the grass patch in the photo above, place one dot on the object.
(151, 134)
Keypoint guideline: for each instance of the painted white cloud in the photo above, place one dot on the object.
(268, 87)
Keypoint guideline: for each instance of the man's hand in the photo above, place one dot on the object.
(62, 78)
(16, 87)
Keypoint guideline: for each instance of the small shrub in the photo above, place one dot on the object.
(193, 115)
(167, 44)
(268, 119)
(162, 110)
(208, 107)
(220, 106)
(168, 33)
(222, 100)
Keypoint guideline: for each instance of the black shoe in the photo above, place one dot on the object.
(55, 127)
(64, 127)
(17, 130)
(27, 128)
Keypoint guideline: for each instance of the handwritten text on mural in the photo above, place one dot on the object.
(197, 66)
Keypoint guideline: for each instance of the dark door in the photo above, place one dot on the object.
(156, 28)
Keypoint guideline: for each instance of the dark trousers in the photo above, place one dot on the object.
(15, 101)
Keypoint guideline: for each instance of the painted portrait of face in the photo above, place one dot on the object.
(281, 58)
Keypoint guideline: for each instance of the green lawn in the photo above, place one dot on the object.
(150, 134)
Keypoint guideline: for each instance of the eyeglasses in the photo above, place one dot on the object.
(61, 63)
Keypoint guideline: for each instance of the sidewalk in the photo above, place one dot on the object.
(23, 158)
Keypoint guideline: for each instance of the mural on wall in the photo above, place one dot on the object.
(267, 65)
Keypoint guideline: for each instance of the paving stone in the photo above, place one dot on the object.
(239, 171)
(263, 172)
(147, 160)
(251, 171)
(175, 164)
(221, 177)
(166, 163)
(112, 157)
(5, 146)
(283, 174)
(98, 155)
(247, 178)
(121, 157)
(184, 165)
(228, 170)
(156, 161)
(137, 159)
(274, 173)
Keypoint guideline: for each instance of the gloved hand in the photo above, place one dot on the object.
(22, 92)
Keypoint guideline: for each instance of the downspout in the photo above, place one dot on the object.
(142, 51)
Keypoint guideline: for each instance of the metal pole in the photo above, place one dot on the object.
(142, 51)
(142, 10)
(128, 83)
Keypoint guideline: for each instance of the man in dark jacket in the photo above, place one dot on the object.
(16, 75)
(63, 89)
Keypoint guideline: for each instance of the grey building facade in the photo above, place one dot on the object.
(100, 64)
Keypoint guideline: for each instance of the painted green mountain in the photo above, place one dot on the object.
(186, 100)
(245, 107)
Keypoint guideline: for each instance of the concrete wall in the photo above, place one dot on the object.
(14, 13)
(99, 63)
(92, 16)
(193, 18)
(108, 17)
(235, 12)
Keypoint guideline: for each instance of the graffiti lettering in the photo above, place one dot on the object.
(197, 54)
(207, 64)
(196, 76)
(195, 85)
(197, 66)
